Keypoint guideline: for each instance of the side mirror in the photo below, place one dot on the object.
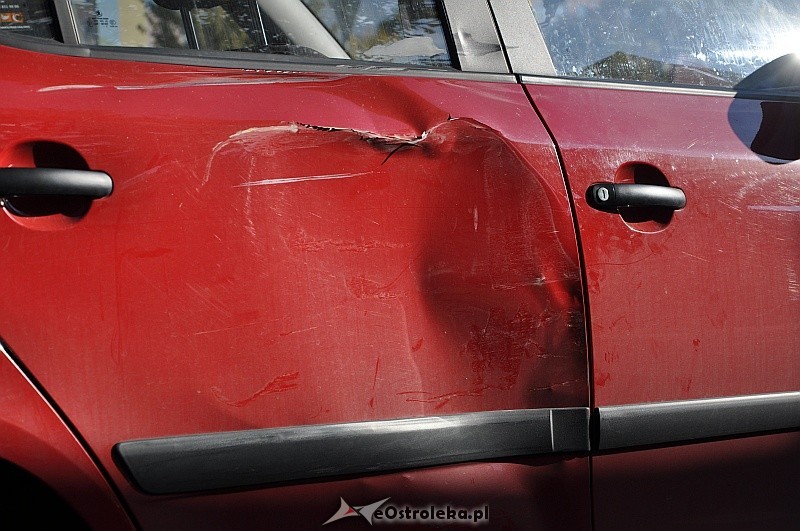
(766, 117)
(780, 75)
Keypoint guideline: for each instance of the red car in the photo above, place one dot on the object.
(280, 264)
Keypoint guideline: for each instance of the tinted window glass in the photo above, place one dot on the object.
(395, 31)
(132, 23)
(697, 42)
(29, 17)
(385, 30)
(234, 27)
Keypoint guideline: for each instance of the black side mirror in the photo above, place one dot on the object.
(765, 115)
(780, 75)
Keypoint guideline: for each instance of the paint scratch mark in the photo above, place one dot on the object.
(305, 244)
(142, 176)
(558, 384)
(58, 88)
(243, 137)
(729, 205)
(284, 382)
(794, 286)
(695, 256)
(363, 289)
(600, 379)
(288, 180)
(369, 136)
(248, 139)
(375, 379)
(534, 282)
(284, 334)
(774, 208)
(204, 295)
(227, 328)
(443, 399)
(392, 152)
(374, 383)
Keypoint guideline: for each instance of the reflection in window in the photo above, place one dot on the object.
(395, 31)
(405, 31)
(163, 28)
(35, 18)
(218, 29)
(695, 42)
(141, 23)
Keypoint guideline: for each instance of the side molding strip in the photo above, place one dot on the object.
(258, 457)
(672, 422)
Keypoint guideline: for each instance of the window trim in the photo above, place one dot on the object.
(243, 60)
(66, 21)
(662, 88)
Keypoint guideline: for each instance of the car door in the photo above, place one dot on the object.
(677, 124)
(277, 269)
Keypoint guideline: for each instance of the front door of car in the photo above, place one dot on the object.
(295, 254)
(679, 137)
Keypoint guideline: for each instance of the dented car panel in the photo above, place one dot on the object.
(287, 249)
(517, 263)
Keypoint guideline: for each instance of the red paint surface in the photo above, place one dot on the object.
(284, 249)
(35, 439)
(702, 306)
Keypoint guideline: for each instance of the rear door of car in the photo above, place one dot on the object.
(277, 288)
(693, 307)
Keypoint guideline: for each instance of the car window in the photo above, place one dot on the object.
(394, 31)
(692, 42)
(29, 17)
(388, 31)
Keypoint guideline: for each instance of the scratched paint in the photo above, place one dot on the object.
(280, 384)
(290, 253)
(368, 249)
(719, 272)
(491, 286)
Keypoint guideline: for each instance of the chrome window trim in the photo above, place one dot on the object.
(690, 90)
(613, 84)
(244, 60)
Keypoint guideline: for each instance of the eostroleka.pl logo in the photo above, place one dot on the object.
(382, 512)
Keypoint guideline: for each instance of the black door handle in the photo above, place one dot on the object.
(609, 197)
(54, 181)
